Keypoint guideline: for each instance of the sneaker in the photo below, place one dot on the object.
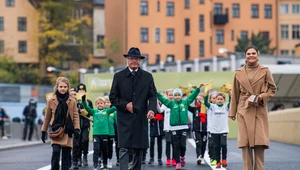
(159, 162)
(104, 167)
(118, 163)
(168, 162)
(95, 167)
(151, 161)
(224, 163)
(75, 165)
(173, 162)
(109, 163)
(143, 162)
(178, 166)
(85, 161)
(4, 137)
(182, 161)
(199, 160)
(218, 165)
(213, 163)
(202, 160)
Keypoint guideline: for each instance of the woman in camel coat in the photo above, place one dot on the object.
(253, 127)
(61, 112)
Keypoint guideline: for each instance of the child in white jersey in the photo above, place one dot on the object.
(219, 127)
(167, 128)
(212, 99)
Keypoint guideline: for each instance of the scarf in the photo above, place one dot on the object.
(202, 113)
(61, 111)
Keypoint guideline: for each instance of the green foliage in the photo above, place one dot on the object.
(63, 31)
(257, 40)
(11, 72)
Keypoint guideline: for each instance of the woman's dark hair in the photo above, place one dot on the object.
(251, 46)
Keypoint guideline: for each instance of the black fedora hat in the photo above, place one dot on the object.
(134, 52)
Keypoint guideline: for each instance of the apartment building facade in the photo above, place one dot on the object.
(289, 24)
(19, 31)
(170, 30)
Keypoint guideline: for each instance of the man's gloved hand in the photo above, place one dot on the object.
(76, 133)
(83, 98)
(44, 136)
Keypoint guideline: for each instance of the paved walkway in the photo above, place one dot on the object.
(15, 143)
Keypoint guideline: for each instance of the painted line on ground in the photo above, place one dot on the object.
(206, 156)
(48, 167)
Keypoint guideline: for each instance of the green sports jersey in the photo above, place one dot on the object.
(112, 120)
(100, 119)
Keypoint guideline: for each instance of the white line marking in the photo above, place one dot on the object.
(206, 156)
(48, 167)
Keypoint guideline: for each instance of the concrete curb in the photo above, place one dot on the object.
(21, 145)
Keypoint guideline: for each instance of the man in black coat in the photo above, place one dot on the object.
(133, 93)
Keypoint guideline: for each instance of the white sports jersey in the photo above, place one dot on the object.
(219, 119)
(208, 113)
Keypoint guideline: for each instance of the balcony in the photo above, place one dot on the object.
(220, 19)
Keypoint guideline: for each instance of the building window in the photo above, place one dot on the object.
(284, 31)
(201, 1)
(144, 8)
(220, 36)
(22, 46)
(22, 24)
(157, 59)
(1, 46)
(232, 35)
(201, 48)
(254, 10)
(187, 52)
(187, 27)
(186, 4)
(295, 32)
(265, 35)
(157, 35)
(268, 11)
(1, 23)
(206, 68)
(158, 6)
(284, 52)
(144, 34)
(244, 34)
(201, 23)
(170, 35)
(218, 9)
(10, 2)
(170, 8)
(100, 41)
(170, 58)
(284, 8)
(235, 10)
(296, 8)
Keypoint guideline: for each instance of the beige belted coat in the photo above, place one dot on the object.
(253, 127)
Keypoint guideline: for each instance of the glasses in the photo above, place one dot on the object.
(251, 53)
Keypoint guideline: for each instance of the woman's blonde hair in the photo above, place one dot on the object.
(168, 90)
(59, 80)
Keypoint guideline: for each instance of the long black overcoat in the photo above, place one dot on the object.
(141, 91)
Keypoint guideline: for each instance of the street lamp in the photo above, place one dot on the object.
(230, 54)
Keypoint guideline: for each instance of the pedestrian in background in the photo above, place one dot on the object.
(3, 115)
(133, 93)
(61, 113)
(30, 115)
(253, 85)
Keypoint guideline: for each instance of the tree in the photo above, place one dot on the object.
(12, 72)
(63, 28)
(262, 43)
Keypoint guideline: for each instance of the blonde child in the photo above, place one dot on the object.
(167, 128)
(112, 121)
(100, 129)
(219, 127)
(212, 99)
(179, 122)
